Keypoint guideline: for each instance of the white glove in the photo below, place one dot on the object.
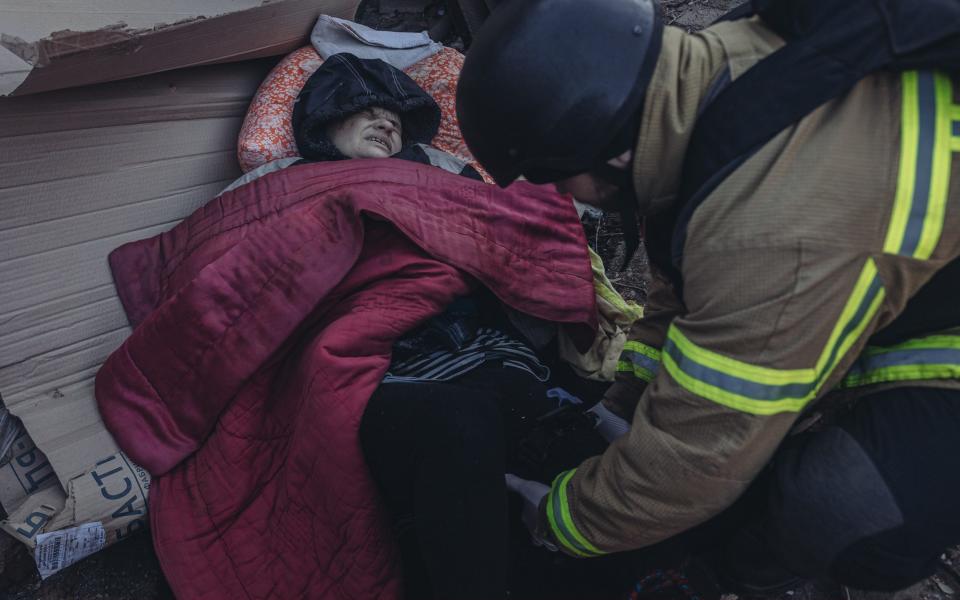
(609, 425)
(532, 493)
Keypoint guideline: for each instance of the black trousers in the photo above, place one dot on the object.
(871, 502)
(438, 452)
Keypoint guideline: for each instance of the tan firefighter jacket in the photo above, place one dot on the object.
(790, 265)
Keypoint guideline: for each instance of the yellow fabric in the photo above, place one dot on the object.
(616, 316)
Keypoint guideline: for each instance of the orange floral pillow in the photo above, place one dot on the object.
(267, 132)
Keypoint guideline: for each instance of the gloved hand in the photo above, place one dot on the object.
(532, 493)
(609, 425)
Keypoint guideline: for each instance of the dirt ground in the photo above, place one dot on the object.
(130, 571)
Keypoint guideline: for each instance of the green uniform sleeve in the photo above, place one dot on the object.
(640, 359)
(736, 370)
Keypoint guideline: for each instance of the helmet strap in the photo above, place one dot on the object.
(626, 204)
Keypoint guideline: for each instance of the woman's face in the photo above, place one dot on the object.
(371, 133)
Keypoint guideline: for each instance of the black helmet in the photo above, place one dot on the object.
(548, 85)
(344, 85)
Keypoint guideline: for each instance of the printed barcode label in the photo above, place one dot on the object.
(56, 554)
(60, 549)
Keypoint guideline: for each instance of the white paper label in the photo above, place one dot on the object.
(60, 549)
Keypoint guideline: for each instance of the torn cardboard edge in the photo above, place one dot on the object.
(64, 469)
(71, 58)
(66, 42)
(113, 494)
(118, 159)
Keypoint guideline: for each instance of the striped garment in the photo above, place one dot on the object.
(444, 365)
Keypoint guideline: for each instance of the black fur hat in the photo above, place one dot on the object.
(344, 85)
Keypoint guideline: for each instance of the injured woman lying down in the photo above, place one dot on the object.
(288, 349)
(465, 398)
(363, 108)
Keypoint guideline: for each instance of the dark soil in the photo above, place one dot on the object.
(126, 571)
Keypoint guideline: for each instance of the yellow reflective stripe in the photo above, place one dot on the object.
(926, 154)
(867, 276)
(726, 398)
(955, 130)
(928, 142)
(553, 521)
(641, 348)
(855, 335)
(630, 362)
(955, 139)
(735, 367)
(568, 519)
(561, 522)
(635, 370)
(903, 373)
(940, 169)
(932, 357)
(930, 341)
(916, 225)
(907, 176)
(769, 376)
(766, 391)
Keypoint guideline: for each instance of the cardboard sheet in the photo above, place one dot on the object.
(82, 171)
(51, 44)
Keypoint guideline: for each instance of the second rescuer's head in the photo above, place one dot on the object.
(551, 90)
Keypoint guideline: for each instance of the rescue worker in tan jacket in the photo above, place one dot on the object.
(795, 271)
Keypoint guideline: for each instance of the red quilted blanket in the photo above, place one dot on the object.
(263, 323)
